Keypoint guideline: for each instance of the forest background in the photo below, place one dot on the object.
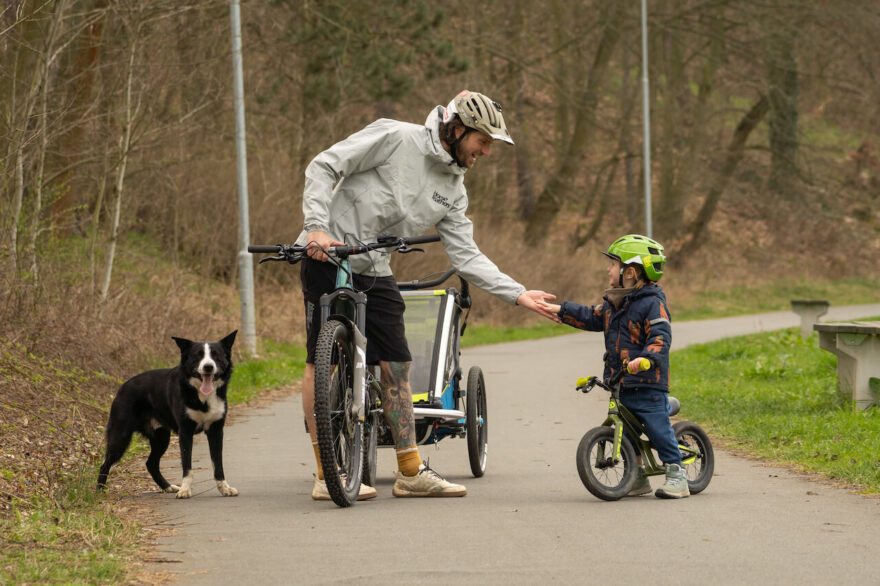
(118, 200)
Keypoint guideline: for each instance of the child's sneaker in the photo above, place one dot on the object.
(320, 492)
(425, 483)
(642, 485)
(676, 485)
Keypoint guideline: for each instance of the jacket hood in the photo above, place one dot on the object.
(652, 289)
(432, 125)
(624, 295)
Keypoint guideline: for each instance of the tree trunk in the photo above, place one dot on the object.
(96, 219)
(124, 144)
(85, 63)
(558, 186)
(685, 118)
(627, 102)
(584, 232)
(525, 185)
(20, 125)
(50, 55)
(782, 77)
(734, 155)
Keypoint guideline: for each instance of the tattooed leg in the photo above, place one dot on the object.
(397, 402)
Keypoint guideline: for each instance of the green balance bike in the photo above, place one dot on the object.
(607, 459)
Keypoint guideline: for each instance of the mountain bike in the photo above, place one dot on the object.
(348, 411)
(606, 457)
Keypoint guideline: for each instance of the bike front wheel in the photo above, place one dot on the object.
(604, 477)
(697, 455)
(340, 429)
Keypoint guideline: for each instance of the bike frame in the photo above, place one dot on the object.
(621, 418)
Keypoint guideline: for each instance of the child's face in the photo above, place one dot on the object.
(614, 273)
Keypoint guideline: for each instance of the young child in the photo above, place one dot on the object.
(635, 320)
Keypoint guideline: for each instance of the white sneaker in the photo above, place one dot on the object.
(426, 483)
(320, 492)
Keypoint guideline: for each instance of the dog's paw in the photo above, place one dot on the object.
(171, 488)
(225, 489)
(185, 490)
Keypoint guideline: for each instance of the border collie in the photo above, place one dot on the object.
(187, 399)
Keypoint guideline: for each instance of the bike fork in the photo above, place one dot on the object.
(358, 406)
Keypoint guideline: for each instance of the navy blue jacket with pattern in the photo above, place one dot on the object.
(639, 329)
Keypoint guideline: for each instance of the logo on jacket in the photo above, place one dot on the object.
(442, 200)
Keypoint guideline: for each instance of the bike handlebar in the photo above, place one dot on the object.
(417, 284)
(270, 248)
(585, 385)
(293, 253)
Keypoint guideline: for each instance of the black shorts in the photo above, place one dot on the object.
(386, 336)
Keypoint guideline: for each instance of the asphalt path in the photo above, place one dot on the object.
(529, 519)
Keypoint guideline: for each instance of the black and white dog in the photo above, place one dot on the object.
(186, 399)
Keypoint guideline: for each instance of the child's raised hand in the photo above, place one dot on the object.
(548, 310)
(530, 299)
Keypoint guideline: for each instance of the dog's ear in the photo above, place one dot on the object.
(183, 343)
(228, 341)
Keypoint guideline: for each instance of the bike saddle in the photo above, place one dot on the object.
(674, 406)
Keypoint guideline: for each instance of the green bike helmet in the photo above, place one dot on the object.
(635, 249)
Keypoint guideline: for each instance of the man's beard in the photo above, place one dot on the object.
(460, 157)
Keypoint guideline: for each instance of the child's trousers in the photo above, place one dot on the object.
(652, 408)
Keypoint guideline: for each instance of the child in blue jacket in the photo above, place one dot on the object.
(635, 320)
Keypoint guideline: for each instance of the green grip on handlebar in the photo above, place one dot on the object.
(582, 382)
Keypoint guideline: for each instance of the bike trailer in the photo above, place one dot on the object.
(432, 320)
(445, 403)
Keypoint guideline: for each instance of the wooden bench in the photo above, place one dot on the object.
(857, 346)
(810, 311)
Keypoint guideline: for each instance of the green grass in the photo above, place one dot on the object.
(775, 396)
(476, 335)
(775, 296)
(278, 365)
(73, 538)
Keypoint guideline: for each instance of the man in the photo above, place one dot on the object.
(404, 179)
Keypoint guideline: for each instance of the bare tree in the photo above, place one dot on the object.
(732, 158)
(782, 27)
(128, 114)
(585, 101)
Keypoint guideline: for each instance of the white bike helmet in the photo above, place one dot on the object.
(478, 112)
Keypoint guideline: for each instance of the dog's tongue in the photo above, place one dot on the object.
(207, 384)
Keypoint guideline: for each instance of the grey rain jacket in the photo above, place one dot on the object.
(395, 178)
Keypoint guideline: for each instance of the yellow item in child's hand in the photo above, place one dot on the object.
(643, 364)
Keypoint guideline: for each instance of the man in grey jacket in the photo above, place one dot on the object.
(398, 178)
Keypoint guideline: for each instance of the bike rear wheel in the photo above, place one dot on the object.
(603, 477)
(371, 438)
(697, 455)
(475, 421)
(340, 430)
